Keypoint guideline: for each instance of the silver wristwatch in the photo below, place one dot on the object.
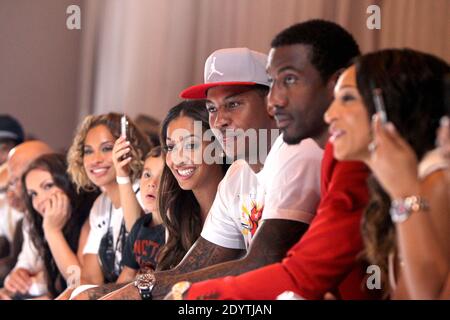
(401, 209)
(144, 283)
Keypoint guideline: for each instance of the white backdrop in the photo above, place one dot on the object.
(139, 54)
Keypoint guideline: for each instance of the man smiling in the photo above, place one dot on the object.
(258, 213)
(304, 64)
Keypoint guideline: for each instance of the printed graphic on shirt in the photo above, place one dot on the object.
(250, 218)
(145, 252)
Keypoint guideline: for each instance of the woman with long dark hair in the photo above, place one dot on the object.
(188, 184)
(410, 85)
(58, 216)
(426, 259)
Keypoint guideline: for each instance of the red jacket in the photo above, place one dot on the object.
(326, 257)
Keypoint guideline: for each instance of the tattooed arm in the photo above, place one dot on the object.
(125, 277)
(201, 255)
(270, 244)
(98, 292)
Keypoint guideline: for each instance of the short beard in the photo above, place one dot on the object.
(299, 136)
(292, 141)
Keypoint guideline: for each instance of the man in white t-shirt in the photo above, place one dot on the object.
(286, 188)
(261, 209)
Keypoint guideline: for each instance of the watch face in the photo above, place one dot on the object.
(145, 280)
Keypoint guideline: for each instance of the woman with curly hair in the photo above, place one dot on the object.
(411, 85)
(187, 186)
(91, 167)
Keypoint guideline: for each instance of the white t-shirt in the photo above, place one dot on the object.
(101, 211)
(8, 218)
(288, 187)
(29, 257)
(30, 260)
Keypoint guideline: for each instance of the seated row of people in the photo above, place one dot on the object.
(306, 211)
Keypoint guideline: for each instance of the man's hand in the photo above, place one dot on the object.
(18, 280)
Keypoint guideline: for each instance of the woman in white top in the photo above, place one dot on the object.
(91, 166)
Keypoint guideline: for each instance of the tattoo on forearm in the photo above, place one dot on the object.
(269, 245)
(132, 294)
(128, 292)
(205, 254)
(98, 292)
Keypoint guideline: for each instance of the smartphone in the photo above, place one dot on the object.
(379, 104)
(123, 126)
(123, 132)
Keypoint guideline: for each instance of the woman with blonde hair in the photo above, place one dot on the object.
(91, 167)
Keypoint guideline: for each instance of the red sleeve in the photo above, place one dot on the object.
(324, 260)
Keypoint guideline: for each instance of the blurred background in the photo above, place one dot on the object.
(137, 55)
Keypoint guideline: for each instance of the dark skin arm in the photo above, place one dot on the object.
(98, 292)
(269, 245)
(201, 255)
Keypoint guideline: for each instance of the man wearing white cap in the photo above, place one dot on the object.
(278, 200)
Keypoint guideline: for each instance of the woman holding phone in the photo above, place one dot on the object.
(91, 167)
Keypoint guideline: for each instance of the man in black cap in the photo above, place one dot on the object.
(11, 134)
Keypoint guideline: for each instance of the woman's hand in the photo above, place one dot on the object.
(18, 280)
(122, 157)
(5, 294)
(57, 212)
(393, 161)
